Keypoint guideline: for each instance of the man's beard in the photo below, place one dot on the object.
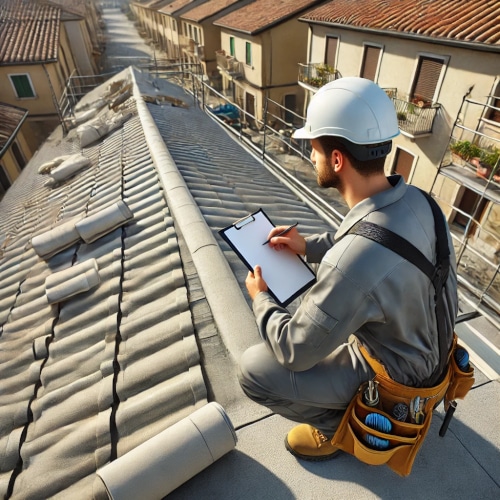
(328, 178)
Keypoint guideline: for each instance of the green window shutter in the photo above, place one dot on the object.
(248, 57)
(23, 86)
(231, 46)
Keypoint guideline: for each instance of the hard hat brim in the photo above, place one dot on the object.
(302, 133)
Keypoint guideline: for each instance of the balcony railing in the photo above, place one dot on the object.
(316, 75)
(415, 117)
(229, 64)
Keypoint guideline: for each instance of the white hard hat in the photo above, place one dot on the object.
(352, 108)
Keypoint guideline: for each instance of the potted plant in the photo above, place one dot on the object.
(464, 150)
(488, 162)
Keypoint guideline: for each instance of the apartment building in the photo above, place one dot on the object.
(261, 46)
(440, 63)
(201, 38)
(43, 45)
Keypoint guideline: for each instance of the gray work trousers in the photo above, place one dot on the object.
(318, 396)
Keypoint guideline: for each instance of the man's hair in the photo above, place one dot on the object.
(366, 168)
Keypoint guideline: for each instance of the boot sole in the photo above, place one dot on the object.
(311, 458)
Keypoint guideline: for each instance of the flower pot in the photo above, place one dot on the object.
(482, 170)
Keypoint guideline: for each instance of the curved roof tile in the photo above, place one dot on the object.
(456, 20)
(29, 32)
(262, 14)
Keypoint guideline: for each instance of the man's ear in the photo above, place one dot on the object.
(338, 160)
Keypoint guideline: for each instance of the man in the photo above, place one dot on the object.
(309, 366)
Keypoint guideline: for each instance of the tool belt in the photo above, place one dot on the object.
(397, 444)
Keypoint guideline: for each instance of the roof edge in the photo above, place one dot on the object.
(218, 280)
(409, 36)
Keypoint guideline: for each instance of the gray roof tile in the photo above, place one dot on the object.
(122, 358)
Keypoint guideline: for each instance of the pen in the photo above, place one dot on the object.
(281, 233)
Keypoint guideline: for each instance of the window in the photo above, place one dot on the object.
(371, 59)
(174, 25)
(403, 163)
(248, 54)
(22, 86)
(231, 46)
(427, 78)
(331, 51)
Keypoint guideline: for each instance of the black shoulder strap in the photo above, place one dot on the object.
(438, 274)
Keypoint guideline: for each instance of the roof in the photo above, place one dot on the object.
(88, 376)
(71, 9)
(11, 118)
(263, 14)
(455, 20)
(208, 9)
(101, 301)
(175, 6)
(29, 32)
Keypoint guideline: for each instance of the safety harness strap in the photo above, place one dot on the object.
(438, 274)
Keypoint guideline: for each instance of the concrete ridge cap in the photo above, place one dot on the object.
(217, 278)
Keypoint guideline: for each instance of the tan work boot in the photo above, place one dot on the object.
(308, 443)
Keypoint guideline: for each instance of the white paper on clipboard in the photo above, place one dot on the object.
(287, 275)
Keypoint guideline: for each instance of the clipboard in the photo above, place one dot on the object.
(287, 275)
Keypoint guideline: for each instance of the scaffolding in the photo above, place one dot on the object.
(467, 185)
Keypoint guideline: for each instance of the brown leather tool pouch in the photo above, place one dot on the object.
(405, 438)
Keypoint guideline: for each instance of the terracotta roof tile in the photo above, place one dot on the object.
(29, 32)
(458, 20)
(207, 9)
(262, 14)
(174, 6)
(72, 6)
(10, 118)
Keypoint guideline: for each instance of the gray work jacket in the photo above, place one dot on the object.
(367, 290)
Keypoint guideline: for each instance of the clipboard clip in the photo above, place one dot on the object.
(243, 221)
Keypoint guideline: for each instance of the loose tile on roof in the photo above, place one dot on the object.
(456, 20)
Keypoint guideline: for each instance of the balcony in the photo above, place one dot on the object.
(229, 65)
(315, 75)
(415, 116)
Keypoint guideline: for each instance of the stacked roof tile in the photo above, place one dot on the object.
(456, 20)
(29, 31)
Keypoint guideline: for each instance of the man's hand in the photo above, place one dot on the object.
(255, 282)
(292, 240)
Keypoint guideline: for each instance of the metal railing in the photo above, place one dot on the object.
(414, 119)
(229, 64)
(317, 74)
